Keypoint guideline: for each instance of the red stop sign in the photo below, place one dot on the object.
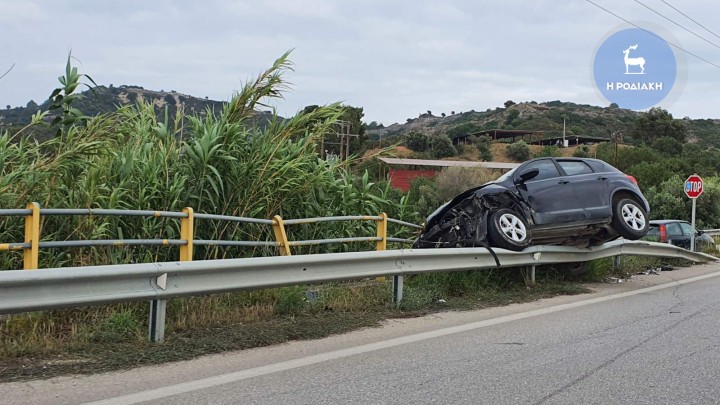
(694, 186)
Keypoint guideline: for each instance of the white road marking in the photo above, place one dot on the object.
(209, 382)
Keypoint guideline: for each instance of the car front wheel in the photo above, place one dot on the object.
(509, 230)
(630, 219)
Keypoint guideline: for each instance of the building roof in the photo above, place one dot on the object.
(577, 138)
(449, 163)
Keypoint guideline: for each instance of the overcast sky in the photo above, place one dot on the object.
(394, 58)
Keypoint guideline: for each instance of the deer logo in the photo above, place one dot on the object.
(633, 62)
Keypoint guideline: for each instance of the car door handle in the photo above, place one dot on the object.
(563, 182)
(602, 178)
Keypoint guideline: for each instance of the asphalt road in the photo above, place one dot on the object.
(654, 345)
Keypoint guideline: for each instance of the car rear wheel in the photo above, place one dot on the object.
(630, 219)
(509, 230)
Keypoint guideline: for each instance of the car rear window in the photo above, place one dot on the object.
(687, 229)
(574, 167)
(673, 229)
(599, 166)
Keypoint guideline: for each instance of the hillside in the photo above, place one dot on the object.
(580, 119)
(104, 99)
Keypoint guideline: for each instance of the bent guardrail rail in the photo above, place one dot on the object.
(24, 291)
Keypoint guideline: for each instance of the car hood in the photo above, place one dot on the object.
(438, 213)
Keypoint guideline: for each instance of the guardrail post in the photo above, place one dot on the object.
(32, 236)
(157, 320)
(281, 235)
(531, 278)
(158, 308)
(382, 233)
(616, 263)
(187, 234)
(397, 289)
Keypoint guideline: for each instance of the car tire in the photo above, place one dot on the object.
(630, 219)
(509, 230)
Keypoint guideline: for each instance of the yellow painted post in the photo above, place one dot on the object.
(381, 233)
(187, 233)
(32, 236)
(281, 235)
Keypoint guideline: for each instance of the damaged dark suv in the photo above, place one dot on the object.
(545, 201)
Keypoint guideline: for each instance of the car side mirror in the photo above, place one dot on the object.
(699, 232)
(528, 174)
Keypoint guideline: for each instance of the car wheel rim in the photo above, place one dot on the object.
(512, 227)
(633, 217)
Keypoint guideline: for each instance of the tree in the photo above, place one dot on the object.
(417, 141)
(442, 115)
(509, 103)
(442, 147)
(511, 116)
(7, 107)
(668, 146)
(658, 123)
(452, 112)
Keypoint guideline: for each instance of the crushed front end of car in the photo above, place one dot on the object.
(463, 222)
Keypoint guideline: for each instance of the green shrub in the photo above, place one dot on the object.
(582, 152)
(518, 151)
(549, 151)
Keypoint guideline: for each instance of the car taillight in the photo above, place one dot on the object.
(663, 234)
(632, 178)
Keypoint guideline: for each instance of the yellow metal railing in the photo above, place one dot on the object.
(33, 213)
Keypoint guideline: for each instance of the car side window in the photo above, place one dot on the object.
(687, 229)
(573, 168)
(673, 229)
(546, 167)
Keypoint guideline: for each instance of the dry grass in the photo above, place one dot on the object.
(454, 180)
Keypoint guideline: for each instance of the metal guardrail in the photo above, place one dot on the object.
(23, 291)
(712, 232)
(33, 243)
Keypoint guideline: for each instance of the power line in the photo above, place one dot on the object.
(689, 18)
(679, 25)
(8, 71)
(653, 34)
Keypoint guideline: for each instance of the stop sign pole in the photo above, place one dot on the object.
(693, 189)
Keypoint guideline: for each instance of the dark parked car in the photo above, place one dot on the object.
(557, 201)
(678, 233)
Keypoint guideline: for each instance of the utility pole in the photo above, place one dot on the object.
(616, 138)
